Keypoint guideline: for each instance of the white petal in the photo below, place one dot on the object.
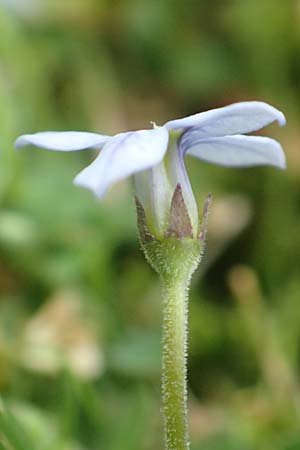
(124, 155)
(240, 151)
(238, 118)
(64, 141)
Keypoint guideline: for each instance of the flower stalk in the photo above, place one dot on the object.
(174, 257)
(175, 260)
(174, 363)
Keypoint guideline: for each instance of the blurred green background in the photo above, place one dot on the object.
(79, 306)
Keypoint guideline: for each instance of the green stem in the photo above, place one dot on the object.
(174, 259)
(174, 371)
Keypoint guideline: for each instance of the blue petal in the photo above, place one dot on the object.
(64, 141)
(238, 118)
(125, 154)
(237, 151)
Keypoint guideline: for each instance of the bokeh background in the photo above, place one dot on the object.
(79, 307)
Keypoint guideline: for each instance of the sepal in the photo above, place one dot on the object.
(204, 220)
(179, 220)
(177, 254)
(145, 234)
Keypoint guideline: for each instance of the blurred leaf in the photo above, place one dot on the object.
(136, 355)
(13, 431)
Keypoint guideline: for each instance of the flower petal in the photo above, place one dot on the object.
(64, 141)
(124, 155)
(239, 151)
(238, 118)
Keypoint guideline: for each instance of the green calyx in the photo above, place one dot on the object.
(173, 258)
(178, 252)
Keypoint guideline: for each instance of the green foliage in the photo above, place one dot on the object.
(79, 308)
(12, 432)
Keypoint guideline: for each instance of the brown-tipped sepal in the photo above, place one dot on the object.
(204, 220)
(177, 253)
(180, 225)
(145, 234)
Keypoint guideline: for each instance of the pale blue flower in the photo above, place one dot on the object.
(216, 136)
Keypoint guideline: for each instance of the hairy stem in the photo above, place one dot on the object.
(174, 372)
(175, 260)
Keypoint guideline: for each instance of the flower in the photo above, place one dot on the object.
(156, 157)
